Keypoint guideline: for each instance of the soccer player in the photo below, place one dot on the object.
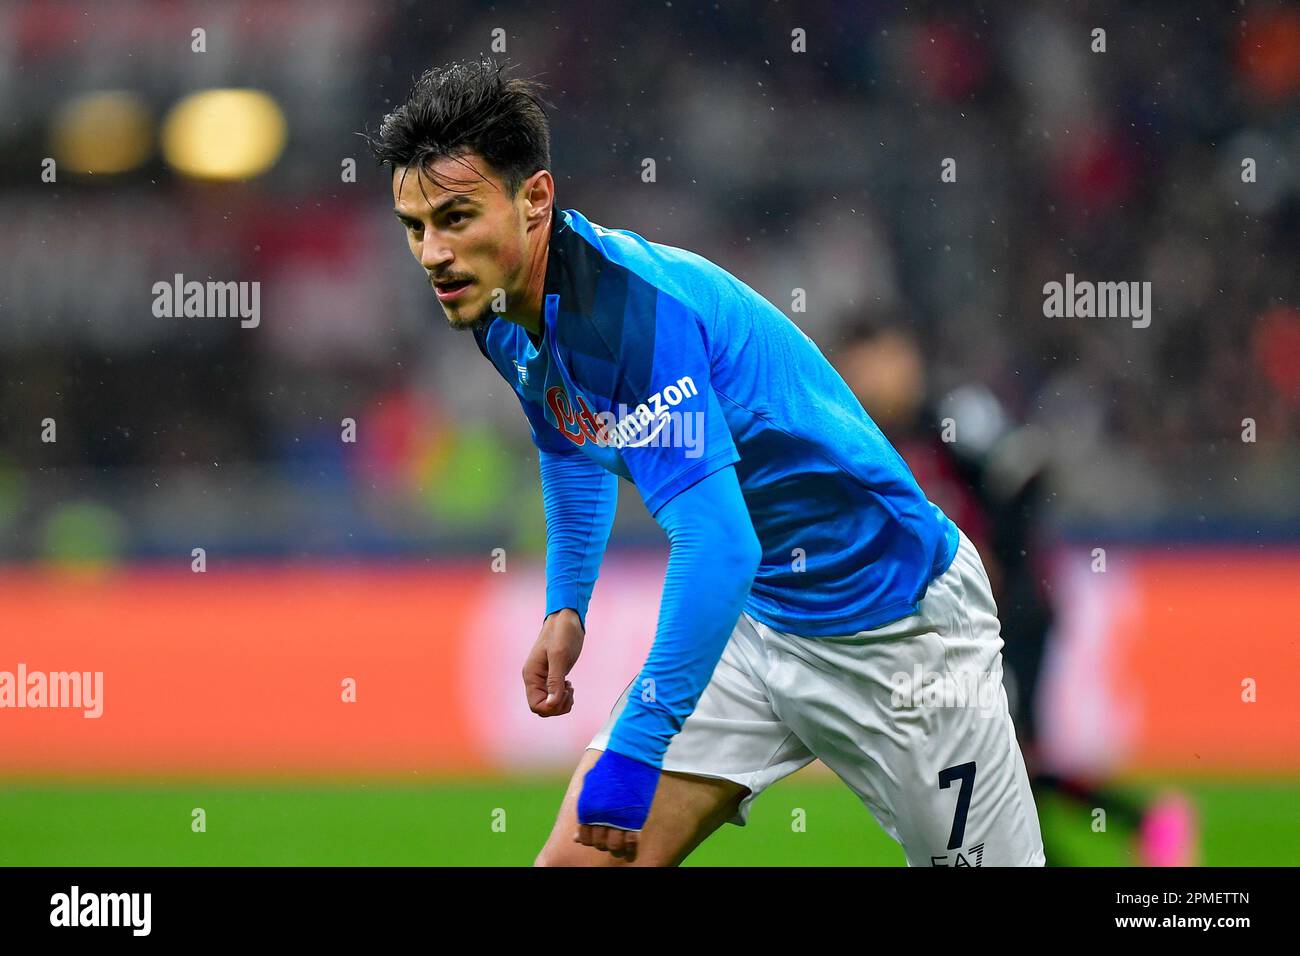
(996, 482)
(815, 604)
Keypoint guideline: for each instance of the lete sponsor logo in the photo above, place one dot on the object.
(649, 423)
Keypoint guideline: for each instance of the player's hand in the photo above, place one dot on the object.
(614, 803)
(549, 663)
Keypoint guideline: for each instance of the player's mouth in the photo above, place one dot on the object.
(448, 291)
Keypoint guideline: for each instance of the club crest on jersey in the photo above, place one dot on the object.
(628, 428)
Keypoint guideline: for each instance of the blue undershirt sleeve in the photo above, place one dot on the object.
(579, 498)
(714, 554)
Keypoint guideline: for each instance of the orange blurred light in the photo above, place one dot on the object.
(224, 134)
(102, 133)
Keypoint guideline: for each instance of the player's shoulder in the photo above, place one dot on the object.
(664, 266)
(648, 279)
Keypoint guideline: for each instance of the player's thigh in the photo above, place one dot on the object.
(956, 791)
(944, 778)
(686, 809)
(914, 718)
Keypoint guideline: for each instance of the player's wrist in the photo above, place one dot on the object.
(565, 615)
(617, 792)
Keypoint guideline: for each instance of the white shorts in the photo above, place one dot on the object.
(911, 715)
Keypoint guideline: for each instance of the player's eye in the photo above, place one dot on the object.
(456, 218)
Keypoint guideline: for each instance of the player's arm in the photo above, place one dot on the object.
(692, 489)
(711, 565)
(579, 498)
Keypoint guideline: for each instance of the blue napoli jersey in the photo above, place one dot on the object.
(664, 368)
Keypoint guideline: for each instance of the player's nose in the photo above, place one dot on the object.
(435, 254)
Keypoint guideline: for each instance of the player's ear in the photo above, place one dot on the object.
(538, 192)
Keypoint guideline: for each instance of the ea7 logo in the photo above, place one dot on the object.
(972, 857)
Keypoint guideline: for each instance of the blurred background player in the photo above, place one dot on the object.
(992, 475)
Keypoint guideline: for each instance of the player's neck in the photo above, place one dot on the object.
(529, 313)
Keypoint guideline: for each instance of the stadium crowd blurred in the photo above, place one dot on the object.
(815, 170)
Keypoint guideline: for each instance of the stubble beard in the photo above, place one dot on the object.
(461, 324)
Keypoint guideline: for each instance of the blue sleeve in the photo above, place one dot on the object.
(579, 498)
(711, 565)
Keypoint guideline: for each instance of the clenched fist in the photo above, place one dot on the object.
(549, 662)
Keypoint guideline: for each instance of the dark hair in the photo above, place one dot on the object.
(870, 325)
(469, 107)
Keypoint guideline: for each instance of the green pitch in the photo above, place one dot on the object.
(504, 822)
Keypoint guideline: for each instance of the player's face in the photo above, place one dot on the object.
(466, 232)
(888, 377)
